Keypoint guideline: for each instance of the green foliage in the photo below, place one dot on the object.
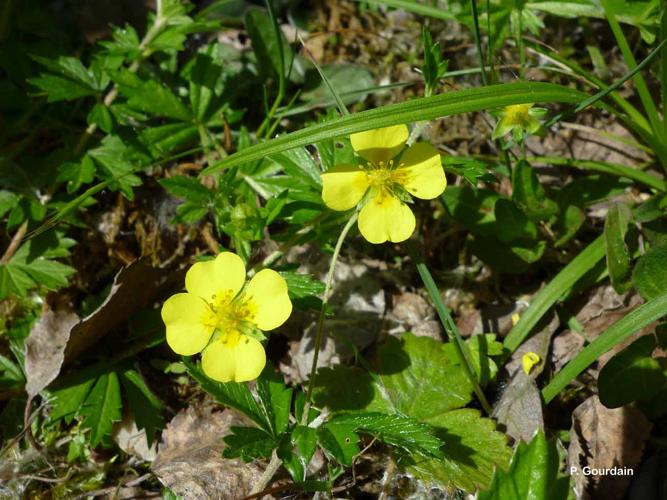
(101, 407)
(33, 265)
(618, 254)
(632, 375)
(534, 472)
(472, 446)
(650, 274)
(433, 68)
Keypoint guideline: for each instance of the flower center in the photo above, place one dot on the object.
(230, 316)
(518, 114)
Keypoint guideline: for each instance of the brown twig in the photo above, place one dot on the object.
(112, 489)
(27, 425)
(14, 244)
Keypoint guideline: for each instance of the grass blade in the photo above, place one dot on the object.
(618, 332)
(551, 293)
(425, 108)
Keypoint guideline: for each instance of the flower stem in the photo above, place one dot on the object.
(319, 333)
(268, 474)
(460, 347)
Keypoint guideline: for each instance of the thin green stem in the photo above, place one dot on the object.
(478, 40)
(281, 74)
(453, 334)
(640, 83)
(641, 317)
(319, 333)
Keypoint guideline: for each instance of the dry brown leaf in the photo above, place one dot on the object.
(189, 459)
(537, 343)
(134, 287)
(603, 438)
(45, 349)
(520, 408)
(133, 440)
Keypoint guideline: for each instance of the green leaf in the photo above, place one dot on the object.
(249, 443)
(349, 80)
(404, 364)
(101, 116)
(631, 375)
(275, 398)
(512, 224)
(266, 43)
(339, 440)
(529, 195)
(69, 79)
(31, 266)
(70, 393)
(433, 67)
(117, 163)
(188, 188)
(473, 450)
(296, 454)
(426, 108)
(618, 255)
(8, 200)
(473, 208)
(231, 394)
(650, 274)
(11, 375)
(534, 473)
(144, 405)
(299, 165)
(156, 99)
(102, 408)
(77, 174)
(472, 446)
(396, 430)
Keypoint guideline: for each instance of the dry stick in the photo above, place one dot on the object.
(27, 425)
(268, 474)
(14, 244)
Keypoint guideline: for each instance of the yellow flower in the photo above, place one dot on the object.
(390, 173)
(519, 119)
(219, 316)
(529, 361)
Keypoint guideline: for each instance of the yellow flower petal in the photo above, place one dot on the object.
(421, 171)
(234, 361)
(382, 144)
(386, 218)
(267, 292)
(529, 361)
(184, 315)
(343, 187)
(225, 273)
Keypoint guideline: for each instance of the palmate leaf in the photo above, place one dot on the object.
(31, 266)
(144, 405)
(102, 408)
(426, 108)
(418, 379)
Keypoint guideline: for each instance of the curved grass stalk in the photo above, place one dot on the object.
(558, 287)
(616, 333)
(426, 108)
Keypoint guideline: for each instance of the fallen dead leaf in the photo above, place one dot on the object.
(603, 438)
(45, 349)
(520, 408)
(537, 343)
(132, 440)
(134, 287)
(189, 459)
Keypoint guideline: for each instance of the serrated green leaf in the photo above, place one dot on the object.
(534, 473)
(232, 394)
(77, 174)
(397, 430)
(69, 79)
(650, 274)
(266, 43)
(188, 188)
(473, 450)
(275, 398)
(339, 440)
(249, 443)
(631, 375)
(144, 405)
(618, 255)
(31, 266)
(297, 451)
(8, 200)
(101, 408)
